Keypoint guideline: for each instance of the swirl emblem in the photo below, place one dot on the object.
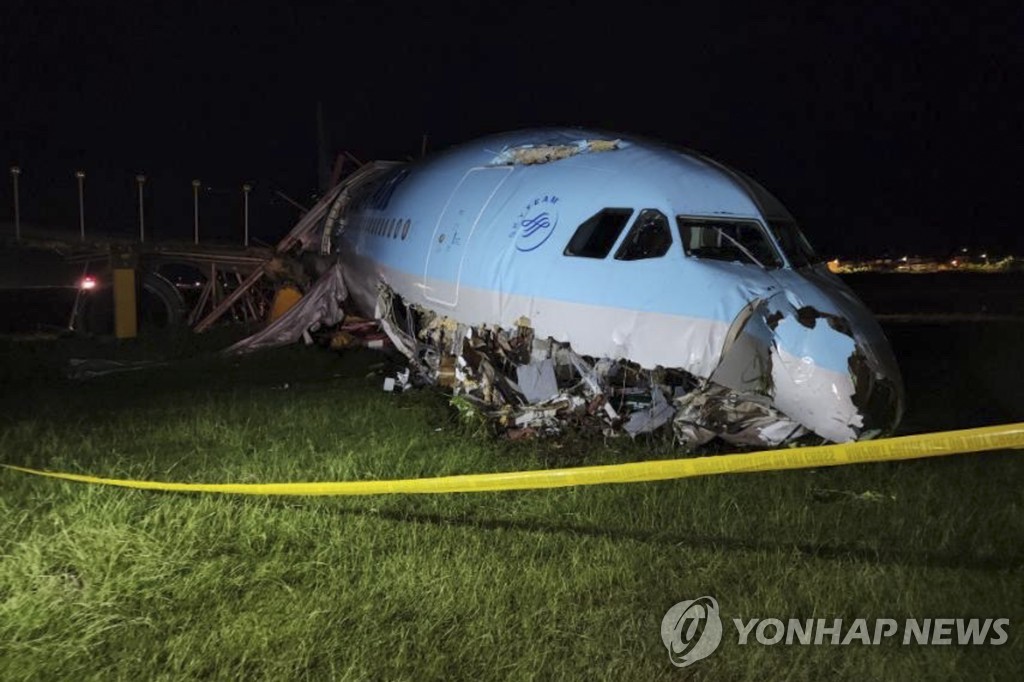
(691, 630)
(536, 223)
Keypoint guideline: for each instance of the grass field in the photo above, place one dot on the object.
(105, 583)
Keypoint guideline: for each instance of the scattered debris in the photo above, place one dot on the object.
(832, 495)
(398, 383)
(319, 308)
(88, 368)
(358, 332)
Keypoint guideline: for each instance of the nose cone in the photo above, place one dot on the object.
(833, 368)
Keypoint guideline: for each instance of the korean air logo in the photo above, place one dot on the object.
(536, 223)
(691, 630)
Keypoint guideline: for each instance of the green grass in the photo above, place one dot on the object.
(105, 583)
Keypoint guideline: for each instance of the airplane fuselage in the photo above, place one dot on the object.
(624, 249)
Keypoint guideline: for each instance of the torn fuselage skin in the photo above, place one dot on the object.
(814, 367)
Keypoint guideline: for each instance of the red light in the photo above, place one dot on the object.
(88, 283)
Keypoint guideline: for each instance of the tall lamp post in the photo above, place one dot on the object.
(246, 188)
(15, 172)
(81, 203)
(195, 209)
(140, 179)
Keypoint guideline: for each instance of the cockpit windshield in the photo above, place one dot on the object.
(742, 241)
(745, 241)
(793, 242)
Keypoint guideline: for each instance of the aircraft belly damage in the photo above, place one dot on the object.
(758, 393)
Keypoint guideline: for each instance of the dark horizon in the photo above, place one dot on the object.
(888, 129)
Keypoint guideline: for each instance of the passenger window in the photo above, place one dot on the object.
(650, 237)
(744, 241)
(598, 234)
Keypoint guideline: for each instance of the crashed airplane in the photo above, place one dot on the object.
(558, 274)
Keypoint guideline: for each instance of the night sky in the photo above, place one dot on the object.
(887, 129)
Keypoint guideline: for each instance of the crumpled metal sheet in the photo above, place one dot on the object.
(537, 381)
(651, 418)
(318, 308)
(744, 419)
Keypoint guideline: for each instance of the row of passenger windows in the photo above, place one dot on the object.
(651, 237)
(390, 228)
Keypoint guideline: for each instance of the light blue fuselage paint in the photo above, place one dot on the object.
(469, 233)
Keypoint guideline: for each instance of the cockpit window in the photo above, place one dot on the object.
(598, 233)
(729, 240)
(650, 237)
(794, 243)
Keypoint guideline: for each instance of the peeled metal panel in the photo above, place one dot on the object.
(454, 229)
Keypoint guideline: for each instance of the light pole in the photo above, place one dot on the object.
(195, 208)
(141, 180)
(81, 203)
(15, 172)
(246, 188)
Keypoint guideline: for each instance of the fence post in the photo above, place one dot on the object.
(195, 207)
(81, 204)
(141, 180)
(15, 172)
(246, 188)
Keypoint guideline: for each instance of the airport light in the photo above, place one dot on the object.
(195, 208)
(246, 188)
(140, 179)
(80, 174)
(15, 172)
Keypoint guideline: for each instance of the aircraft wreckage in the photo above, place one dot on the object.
(573, 276)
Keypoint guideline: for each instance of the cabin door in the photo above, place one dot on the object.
(454, 229)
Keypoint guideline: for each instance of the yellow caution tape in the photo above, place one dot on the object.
(1010, 436)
